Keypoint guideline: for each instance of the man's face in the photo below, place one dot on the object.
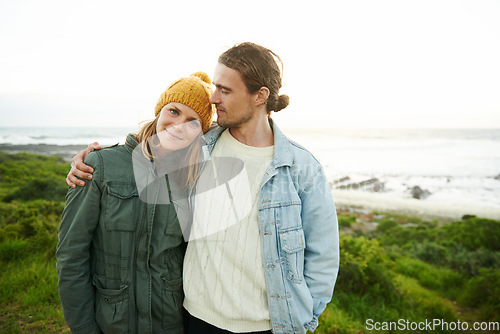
(233, 101)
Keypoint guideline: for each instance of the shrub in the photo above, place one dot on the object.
(47, 189)
(26, 176)
(483, 291)
(385, 225)
(13, 250)
(470, 262)
(31, 227)
(364, 266)
(346, 221)
(474, 233)
(430, 252)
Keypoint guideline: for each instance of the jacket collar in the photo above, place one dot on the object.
(282, 147)
(213, 135)
(130, 142)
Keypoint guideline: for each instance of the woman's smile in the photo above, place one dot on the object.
(175, 137)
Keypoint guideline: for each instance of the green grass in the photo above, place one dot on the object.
(336, 320)
(351, 313)
(29, 218)
(424, 302)
(444, 281)
(28, 295)
(26, 176)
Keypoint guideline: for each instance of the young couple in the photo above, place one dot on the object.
(256, 209)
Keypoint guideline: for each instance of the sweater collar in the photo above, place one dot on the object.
(282, 147)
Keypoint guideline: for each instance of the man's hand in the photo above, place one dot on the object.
(78, 168)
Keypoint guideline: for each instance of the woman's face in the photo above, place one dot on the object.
(177, 126)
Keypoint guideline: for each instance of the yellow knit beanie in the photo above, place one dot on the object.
(194, 92)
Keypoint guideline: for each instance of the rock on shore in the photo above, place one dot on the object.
(419, 193)
(371, 185)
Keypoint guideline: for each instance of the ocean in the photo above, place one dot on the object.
(434, 172)
(62, 136)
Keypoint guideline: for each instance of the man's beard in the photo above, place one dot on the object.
(235, 123)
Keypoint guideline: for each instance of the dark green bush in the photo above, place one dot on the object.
(431, 252)
(385, 225)
(364, 266)
(483, 291)
(29, 228)
(346, 221)
(474, 233)
(470, 262)
(13, 250)
(28, 176)
(46, 189)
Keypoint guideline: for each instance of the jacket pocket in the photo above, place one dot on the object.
(111, 308)
(172, 298)
(121, 206)
(293, 244)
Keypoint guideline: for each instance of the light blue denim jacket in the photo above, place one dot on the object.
(299, 234)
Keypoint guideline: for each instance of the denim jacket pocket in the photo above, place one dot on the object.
(111, 308)
(293, 244)
(121, 207)
(172, 298)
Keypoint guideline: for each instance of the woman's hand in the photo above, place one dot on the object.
(79, 169)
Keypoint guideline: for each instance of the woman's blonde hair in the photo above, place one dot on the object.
(191, 159)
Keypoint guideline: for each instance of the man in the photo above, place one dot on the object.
(271, 261)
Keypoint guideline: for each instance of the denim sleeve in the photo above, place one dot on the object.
(79, 220)
(321, 257)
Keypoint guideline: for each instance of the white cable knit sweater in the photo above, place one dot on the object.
(224, 281)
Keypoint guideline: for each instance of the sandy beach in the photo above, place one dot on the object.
(430, 210)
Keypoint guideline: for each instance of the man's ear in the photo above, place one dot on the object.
(261, 96)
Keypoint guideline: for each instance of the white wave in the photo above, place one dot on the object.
(62, 136)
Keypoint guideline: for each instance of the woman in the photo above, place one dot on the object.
(120, 250)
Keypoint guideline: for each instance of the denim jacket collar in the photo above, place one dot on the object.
(282, 147)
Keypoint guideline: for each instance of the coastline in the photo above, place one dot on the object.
(66, 152)
(369, 202)
(349, 200)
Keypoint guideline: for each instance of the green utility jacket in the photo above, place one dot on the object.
(119, 259)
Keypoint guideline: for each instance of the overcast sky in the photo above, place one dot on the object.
(409, 64)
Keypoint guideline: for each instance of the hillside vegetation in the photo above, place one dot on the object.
(404, 270)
